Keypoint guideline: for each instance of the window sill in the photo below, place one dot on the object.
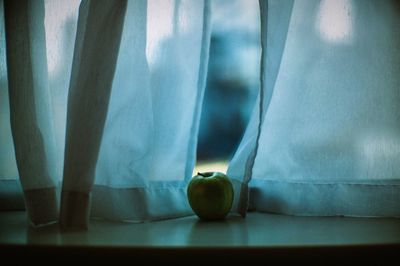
(260, 236)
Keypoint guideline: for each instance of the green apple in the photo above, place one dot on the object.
(210, 195)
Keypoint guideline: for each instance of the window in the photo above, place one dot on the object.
(122, 101)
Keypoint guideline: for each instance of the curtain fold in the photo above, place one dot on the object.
(327, 141)
(30, 108)
(241, 165)
(95, 56)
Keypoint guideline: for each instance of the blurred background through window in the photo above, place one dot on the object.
(232, 82)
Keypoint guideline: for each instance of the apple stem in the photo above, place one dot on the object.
(200, 174)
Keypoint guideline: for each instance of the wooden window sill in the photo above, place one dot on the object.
(260, 236)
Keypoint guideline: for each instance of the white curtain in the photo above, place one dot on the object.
(132, 74)
(325, 137)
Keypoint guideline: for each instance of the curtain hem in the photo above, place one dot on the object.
(75, 209)
(135, 204)
(139, 204)
(11, 195)
(364, 199)
(42, 206)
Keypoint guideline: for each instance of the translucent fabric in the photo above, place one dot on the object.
(148, 150)
(116, 104)
(325, 137)
(30, 106)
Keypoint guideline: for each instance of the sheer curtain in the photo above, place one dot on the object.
(126, 88)
(325, 137)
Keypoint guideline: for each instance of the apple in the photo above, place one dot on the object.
(210, 195)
